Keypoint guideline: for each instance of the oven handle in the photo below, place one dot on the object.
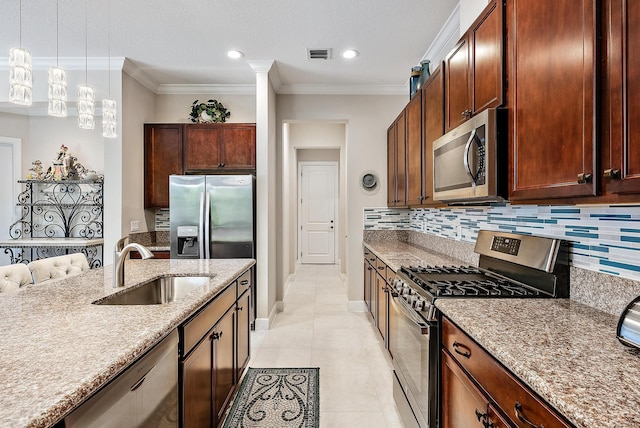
(408, 312)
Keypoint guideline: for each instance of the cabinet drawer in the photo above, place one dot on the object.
(194, 329)
(244, 282)
(512, 396)
(381, 267)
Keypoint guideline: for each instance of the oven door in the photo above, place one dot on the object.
(413, 345)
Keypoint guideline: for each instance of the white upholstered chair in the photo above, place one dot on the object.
(58, 267)
(12, 277)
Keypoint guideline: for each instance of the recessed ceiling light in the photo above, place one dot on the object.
(235, 54)
(350, 53)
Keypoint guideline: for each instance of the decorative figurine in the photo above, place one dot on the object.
(36, 169)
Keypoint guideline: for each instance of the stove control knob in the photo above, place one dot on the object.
(419, 305)
(406, 290)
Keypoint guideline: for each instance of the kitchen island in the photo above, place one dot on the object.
(563, 350)
(58, 348)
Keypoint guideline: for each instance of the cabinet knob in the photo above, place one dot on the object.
(584, 177)
(239, 308)
(216, 335)
(466, 113)
(612, 174)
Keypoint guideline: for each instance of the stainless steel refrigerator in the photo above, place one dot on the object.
(212, 216)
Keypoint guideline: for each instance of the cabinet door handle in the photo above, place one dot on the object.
(216, 335)
(380, 267)
(244, 282)
(222, 165)
(584, 177)
(612, 174)
(480, 415)
(518, 409)
(466, 353)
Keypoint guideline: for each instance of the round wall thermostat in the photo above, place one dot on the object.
(369, 181)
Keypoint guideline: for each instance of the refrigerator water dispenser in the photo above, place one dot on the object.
(188, 241)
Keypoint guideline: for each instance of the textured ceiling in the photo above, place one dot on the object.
(185, 42)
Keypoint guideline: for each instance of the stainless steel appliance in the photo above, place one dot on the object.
(510, 266)
(144, 395)
(212, 216)
(470, 162)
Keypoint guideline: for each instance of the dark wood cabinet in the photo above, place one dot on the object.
(621, 105)
(551, 72)
(396, 163)
(512, 400)
(156, 254)
(223, 364)
(214, 350)
(463, 405)
(162, 157)
(243, 330)
(474, 68)
(215, 147)
(196, 149)
(432, 129)
(414, 150)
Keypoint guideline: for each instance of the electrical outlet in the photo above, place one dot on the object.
(135, 225)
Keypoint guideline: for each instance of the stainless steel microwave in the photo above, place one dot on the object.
(470, 162)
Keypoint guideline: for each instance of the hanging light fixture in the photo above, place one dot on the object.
(57, 84)
(109, 111)
(20, 72)
(86, 95)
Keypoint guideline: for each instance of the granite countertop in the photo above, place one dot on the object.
(563, 350)
(58, 348)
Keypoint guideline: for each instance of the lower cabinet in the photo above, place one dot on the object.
(214, 350)
(463, 405)
(467, 369)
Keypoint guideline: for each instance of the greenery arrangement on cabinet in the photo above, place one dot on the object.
(210, 112)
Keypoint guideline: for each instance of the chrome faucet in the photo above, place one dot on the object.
(120, 255)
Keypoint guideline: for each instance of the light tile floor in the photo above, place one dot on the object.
(316, 330)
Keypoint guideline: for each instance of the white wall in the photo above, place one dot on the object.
(16, 126)
(367, 119)
(176, 108)
(47, 134)
(139, 103)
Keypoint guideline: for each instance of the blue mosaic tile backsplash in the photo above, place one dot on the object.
(602, 238)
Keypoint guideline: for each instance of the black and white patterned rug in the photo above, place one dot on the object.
(277, 398)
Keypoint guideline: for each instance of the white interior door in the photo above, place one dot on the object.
(317, 212)
(10, 172)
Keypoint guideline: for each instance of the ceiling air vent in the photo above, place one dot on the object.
(319, 53)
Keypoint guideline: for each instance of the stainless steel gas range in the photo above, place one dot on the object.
(510, 266)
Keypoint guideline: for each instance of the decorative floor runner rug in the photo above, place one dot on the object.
(277, 398)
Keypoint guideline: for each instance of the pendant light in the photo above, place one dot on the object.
(57, 84)
(109, 111)
(86, 95)
(20, 72)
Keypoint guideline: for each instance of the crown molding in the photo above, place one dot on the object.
(137, 73)
(182, 89)
(72, 63)
(445, 40)
(356, 89)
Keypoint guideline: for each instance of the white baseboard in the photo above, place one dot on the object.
(356, 306)
(265, 323)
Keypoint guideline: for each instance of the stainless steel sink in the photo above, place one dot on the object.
(161, 290)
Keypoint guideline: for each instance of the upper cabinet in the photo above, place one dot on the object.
(474, 69)
(414, 150)
(620, 102)
(195, 149)
(552, 98)
(432, 128)
(396, 163)
(210, 147)
(162, 157)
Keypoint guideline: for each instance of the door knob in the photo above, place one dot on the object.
(612, 174)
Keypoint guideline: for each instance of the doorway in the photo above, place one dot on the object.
(317, 212)
(10, 173)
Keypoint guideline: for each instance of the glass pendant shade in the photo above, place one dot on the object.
(86, 107)
(109, 118)
(20, 77)
(57, 92)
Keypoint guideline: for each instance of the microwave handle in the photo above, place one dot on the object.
(467, 148)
